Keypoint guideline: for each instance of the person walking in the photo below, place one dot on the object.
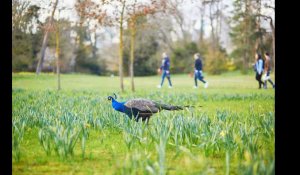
(198, 71)
(267, 70)
(165, 68)
(259, 69)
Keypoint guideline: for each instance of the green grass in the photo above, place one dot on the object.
(233, 133)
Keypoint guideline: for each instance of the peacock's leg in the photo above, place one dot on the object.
(147, 120)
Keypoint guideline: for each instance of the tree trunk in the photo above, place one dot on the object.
(218, 24)
(273, 35)
(202, 25)
(95, 46)
(246, 50)
(121, 48)
(166, 40)
(132, 42)
(212, 26)
(259, 39)
(247, 30)
(245, 60)
(273, 41)
(44, 45)
(220, 27)
(57, 58)
(43, 51)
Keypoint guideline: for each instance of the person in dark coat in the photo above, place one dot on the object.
(165, 68)
(198, 71)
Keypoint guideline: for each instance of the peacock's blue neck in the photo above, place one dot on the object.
(118, 106)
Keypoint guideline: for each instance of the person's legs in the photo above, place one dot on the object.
(200, 77)
(163, 78)
(195, 78)
(269, 80)
(258, 78)
(169, 79)
(261, 82)
(170, 83)
(265, 84)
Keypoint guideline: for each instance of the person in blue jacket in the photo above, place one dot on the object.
(165, 68)
(259, 68)
(198, 71)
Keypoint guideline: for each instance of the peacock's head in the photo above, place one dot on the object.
(111, 98)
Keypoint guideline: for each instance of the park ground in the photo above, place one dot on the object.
(232, 133)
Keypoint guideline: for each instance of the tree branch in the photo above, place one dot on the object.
(268, 6)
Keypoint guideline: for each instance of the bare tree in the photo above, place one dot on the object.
(202, 16)
(259, 39)
(173, 9)
(19, 9)
(212, 17)
(132, 25)
(57, 52)
(116, 18)
(121, 50)
(163, 25)
(44, 45)
(132, 42)
(272, 28)
(220, 18)
(92, 35)
(259, 15)
(135, 12)
(122, 12)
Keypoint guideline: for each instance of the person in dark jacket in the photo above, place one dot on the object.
(259, 69)
(198, 71)
(165, 68)
(267, 70)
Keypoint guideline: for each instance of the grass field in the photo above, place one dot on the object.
(76, 131)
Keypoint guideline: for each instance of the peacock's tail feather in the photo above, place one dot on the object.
(168, 107)
(171, 107)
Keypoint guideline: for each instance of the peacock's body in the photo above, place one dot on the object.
(140, 108)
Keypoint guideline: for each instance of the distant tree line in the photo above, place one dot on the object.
(81, 49)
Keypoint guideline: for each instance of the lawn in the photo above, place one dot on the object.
(76, 131)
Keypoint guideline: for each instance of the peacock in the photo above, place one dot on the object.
(140, 108)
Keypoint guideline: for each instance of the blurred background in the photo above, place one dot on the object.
(227, 33)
